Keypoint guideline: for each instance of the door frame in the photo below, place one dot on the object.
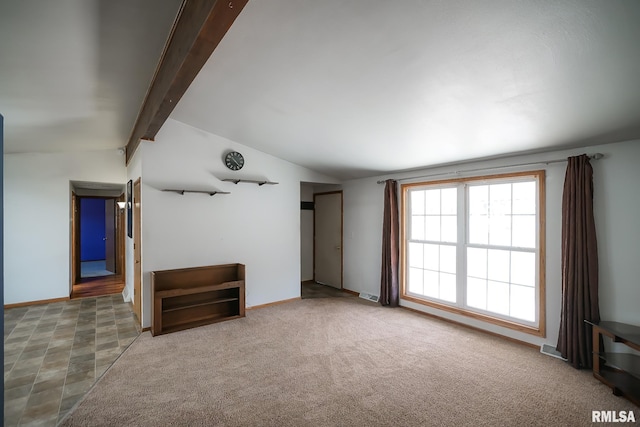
(137, 249)
(341, 234)
(75, 240)
(111, 232)
(76, 214)
(121, 232)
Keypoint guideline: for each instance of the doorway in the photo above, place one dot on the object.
(97, 234)
(321, 237)
(328, 240)
(97, 237)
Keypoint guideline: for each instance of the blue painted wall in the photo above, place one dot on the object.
(92, 220)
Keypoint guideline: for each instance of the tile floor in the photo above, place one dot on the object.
(53, 354)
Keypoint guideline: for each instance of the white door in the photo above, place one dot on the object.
(328, 239)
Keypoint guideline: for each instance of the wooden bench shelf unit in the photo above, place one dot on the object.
(189, 297)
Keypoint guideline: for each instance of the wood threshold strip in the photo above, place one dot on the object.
(197, 31)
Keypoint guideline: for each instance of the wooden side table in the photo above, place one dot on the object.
(618, 370)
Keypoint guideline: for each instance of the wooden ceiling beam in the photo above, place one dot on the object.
(197, 31)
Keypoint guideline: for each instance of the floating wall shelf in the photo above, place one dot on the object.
(211, 193)
(250, 181)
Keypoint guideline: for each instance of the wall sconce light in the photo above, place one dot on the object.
(121, 205)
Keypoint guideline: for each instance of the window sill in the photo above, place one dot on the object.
(532, 330)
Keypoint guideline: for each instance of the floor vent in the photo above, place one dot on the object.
(369, 297)
(551, 351)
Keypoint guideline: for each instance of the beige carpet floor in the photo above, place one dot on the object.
(339, 362)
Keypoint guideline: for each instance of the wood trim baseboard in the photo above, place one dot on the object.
(148, 328)
(39, 302)
(454, 322)
(349, 291)
(273, 303)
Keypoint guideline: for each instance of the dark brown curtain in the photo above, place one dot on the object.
(579, 264)
(389, 289)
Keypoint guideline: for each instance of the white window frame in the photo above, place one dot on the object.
(536, 327)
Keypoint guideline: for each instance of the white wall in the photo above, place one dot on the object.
(37, 218)
(617, 203)
(617, 209)
(258, 226)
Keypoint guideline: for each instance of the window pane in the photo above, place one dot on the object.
(449, 229)
(477, 262)
(479, 200)
(415, 280)
(523, 268)
(431, 284)
(448, 287)
(417, 202)
(432, 231)
(477, 293)
(498, 265)
(432, 257)
(500, 230)
(479, 229)
(432, 200)
(417, 227)
(499, 234)
(415, 255)
(524, 231)
(448, 259)
(524, 197)
(523, 303)
(500, 199)
(449, 201)
(498, 297)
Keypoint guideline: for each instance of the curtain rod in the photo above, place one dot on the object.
(596, 156)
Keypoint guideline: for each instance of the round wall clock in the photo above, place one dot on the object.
(234, 160)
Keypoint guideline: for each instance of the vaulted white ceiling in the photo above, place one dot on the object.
(74, 73)
(361, 87)
(350, 88)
